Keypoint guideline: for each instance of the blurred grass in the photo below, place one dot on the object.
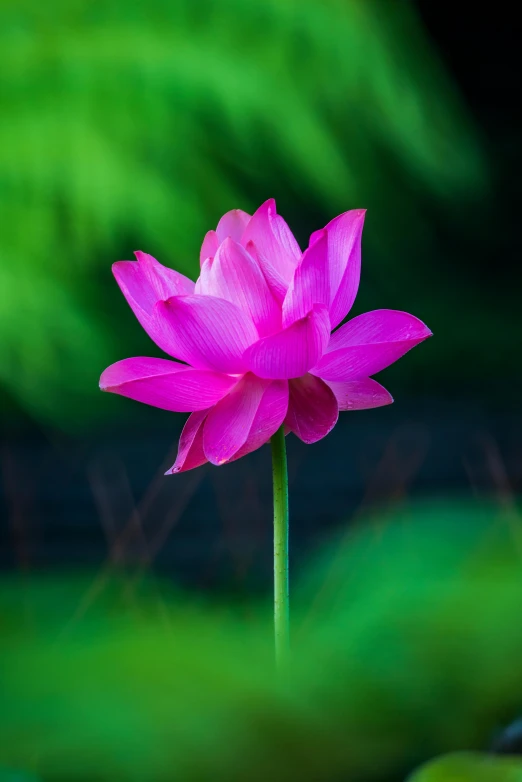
(130, 126)
(406, 644)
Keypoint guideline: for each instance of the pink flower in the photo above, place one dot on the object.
(254, 336)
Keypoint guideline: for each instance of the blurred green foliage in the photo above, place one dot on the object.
(128, 125)
(468, 767)
(406, 644)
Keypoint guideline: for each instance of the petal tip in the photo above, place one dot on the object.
(115, 268)
(268, 206)
(103, 385)
(140, 255)
(424, 333)
(227, 242)
(320, 236)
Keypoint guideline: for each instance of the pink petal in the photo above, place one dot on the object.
(235, 276)
(278, 286)
(344, 261)
(378, 326)
(232, 224)
(273, 239)
(228, 423)
(369, 343)
(166, 384)
(209, 246)
(284, 235)
(360, 394)
(268, 418)
(145, 282)
(312, 409)
(291, 352)
(165, 282)
(310, 284)
(206, 332)
(190, 449)
(202, 281)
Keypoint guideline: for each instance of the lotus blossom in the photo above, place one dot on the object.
(255, 338)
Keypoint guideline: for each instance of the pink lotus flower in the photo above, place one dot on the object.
(255, 337)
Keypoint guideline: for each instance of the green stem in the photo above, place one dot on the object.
(281, 594)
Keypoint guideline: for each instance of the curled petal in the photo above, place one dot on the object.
(344, 261)
(143, 283)
(312, 409)
(273, 239)
(209, 246)
(268, 418)
(310, 284)
(278, 286)
(228, 422)
(148, 281)
(369, 343)
(232, 225)
(206, 332)
(360, 394)
(292, 351)
(166, 384)
(190, 449)
(235, 276)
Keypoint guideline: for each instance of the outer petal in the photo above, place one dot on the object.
(206, 332)
(146, 282)
(360, 394)
(269, 417)
(166, 384)
(310, 284)
(369, 343)
(232, 224)
(228, 423)
(190, 449)
(344, 261)
(235, 276)
(312, 409)
(291, 352)
(209, 246)
(273, 239)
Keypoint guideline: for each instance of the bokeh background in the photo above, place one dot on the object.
(128, 126)
(133, 125)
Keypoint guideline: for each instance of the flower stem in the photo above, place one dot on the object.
(281, 593)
